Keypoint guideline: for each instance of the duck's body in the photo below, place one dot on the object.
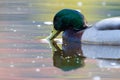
(106, 31)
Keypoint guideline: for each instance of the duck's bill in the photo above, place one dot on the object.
(53, 34)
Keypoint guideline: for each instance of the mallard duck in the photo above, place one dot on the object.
(67, 19)
(73, 25)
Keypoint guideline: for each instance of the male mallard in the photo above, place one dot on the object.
(73, 23)
(67, 19)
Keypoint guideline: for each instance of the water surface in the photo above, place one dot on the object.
(23, 23)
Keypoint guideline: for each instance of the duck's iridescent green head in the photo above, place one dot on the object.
(69, 19)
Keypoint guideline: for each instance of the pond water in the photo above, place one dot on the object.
(23, 56)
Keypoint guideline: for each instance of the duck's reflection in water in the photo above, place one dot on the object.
(107, 56)
(70, 57)
(109, 63)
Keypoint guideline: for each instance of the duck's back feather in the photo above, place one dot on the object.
(108, 24)
(104, 32)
